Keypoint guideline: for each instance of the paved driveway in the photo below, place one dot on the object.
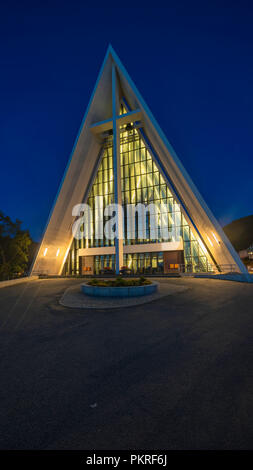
(173, 374)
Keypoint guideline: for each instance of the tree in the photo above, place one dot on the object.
(14, 248)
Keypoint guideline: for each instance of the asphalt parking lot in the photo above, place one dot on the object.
(175, 373)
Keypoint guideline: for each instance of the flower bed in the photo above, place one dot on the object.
(119, 287)
(119, 282)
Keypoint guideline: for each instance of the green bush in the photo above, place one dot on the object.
(119, 282)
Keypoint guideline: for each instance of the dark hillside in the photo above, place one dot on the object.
(240, 232)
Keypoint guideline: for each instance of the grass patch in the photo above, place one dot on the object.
(119, 282)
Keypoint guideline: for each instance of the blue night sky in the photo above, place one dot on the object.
(191, 61)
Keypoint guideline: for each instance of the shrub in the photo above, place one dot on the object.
(119, 282)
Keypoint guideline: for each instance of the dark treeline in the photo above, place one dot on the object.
(16, 248)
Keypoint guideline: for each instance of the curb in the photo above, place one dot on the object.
(247, 278)
(13, 282)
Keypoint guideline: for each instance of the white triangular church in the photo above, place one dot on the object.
(122, 155)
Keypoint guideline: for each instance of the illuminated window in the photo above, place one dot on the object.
(141, 182)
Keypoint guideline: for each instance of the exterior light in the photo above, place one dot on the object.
(58, 251)
(210, 241)
(202, 246)
(65, 257)
(45, 252)
(215, 238)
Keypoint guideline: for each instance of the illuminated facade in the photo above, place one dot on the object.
(122, 156)
(141, 182)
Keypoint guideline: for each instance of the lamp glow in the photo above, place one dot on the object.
(202, 246)
(65, 257)
(210, 241)
(45, 252)
(58, 251)
(215, 238)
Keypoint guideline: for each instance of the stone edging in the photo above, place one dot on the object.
(124, 291)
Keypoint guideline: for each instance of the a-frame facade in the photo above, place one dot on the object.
(122, 155)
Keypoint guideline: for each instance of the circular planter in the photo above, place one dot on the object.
(128, 291)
